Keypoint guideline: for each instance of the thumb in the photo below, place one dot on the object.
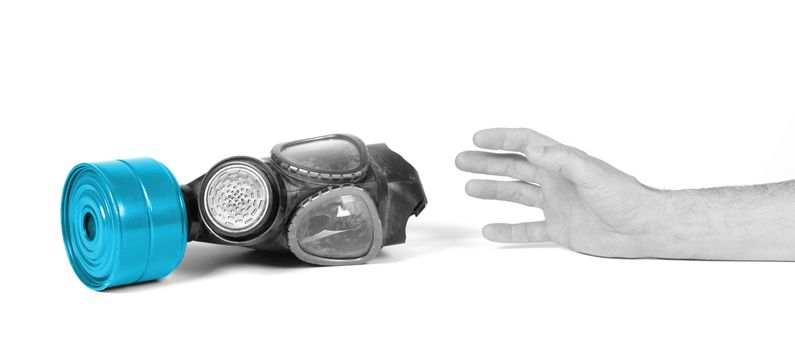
(570, 162)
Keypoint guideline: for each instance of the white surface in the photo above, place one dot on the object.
(678, 93)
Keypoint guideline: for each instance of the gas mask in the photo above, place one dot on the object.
(330, 200)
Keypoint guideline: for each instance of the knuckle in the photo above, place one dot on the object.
(566, 151)
(578, 151)
(511, 167)
(554, 151)
(528, 230)
(489, 165)
(518, 233)
(501, 191)
(518, 195)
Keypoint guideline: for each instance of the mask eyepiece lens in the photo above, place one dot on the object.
(327, 159)
(340, 229)
(339, 226)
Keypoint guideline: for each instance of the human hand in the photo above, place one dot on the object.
(589, 206)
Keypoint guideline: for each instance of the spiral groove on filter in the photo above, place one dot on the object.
(123, 222)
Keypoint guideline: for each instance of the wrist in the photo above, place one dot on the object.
(678, 225)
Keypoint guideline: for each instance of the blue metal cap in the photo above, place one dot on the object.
(123, 222)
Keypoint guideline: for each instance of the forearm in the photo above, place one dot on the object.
(730, 223)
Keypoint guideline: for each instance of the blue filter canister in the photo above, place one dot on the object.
(123, 222)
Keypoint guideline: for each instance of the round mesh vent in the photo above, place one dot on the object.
(236, 198)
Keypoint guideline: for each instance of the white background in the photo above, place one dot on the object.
(680, 94)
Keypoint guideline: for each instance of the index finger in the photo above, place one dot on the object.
(510, 139)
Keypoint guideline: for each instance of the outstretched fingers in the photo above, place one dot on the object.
(510, 191)
(508, 164)
(510, 139)
(528, 232)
